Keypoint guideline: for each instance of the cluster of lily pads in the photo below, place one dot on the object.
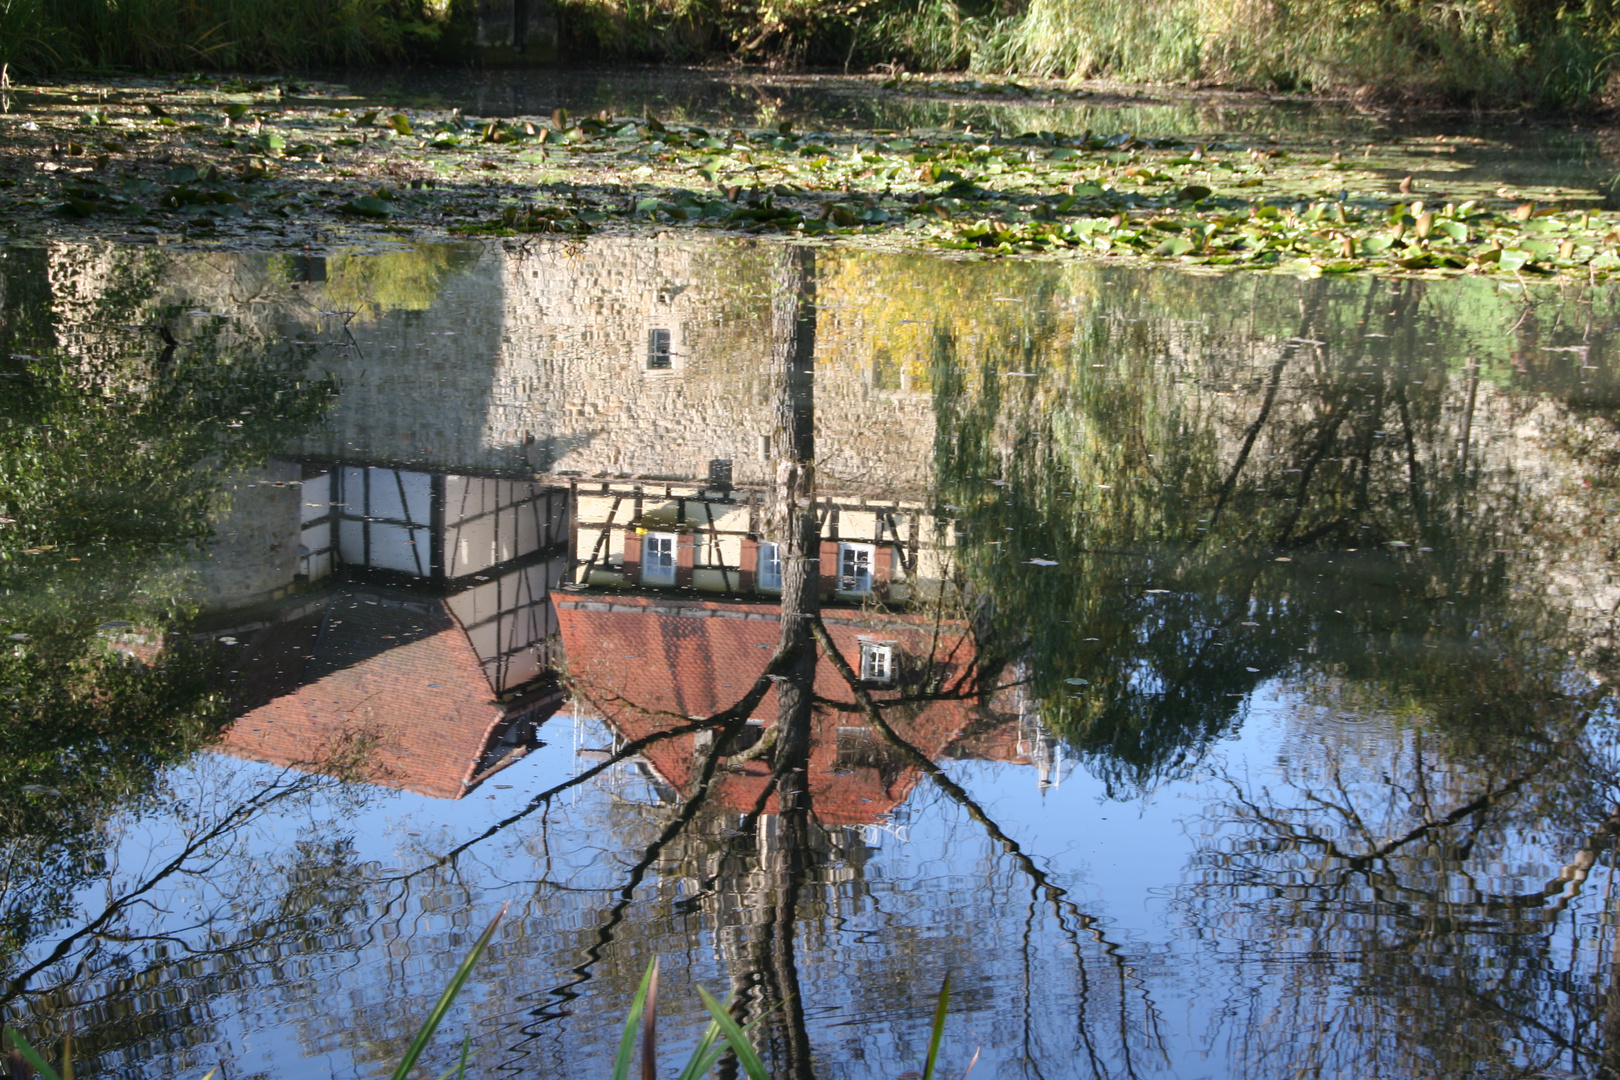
(1333, 237)
(227, 161)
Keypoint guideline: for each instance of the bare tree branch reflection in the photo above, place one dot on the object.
(1367, 877)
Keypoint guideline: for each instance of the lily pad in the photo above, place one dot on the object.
(367, 206)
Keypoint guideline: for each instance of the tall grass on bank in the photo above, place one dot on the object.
(1543, 52)
(241, 35)
(1562, 53)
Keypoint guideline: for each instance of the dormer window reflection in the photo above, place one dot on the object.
(877, 661)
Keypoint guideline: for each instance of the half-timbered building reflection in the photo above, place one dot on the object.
(416, 646)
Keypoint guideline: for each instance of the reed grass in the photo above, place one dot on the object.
(1544, 52)
(425, 1034)
(1539, 52)
(723, 1035)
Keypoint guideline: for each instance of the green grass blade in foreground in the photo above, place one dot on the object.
(735, 1038)
(938, 1033)
(431, 1025)
(40, 1065)
(705, 1055)
(627, 1041)
(459, 1070)
(649, 1030)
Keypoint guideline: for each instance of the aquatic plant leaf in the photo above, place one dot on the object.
(367, 206)
(1454, 229)
(936, 1034)
(33, 1057)
(457, 981)
(1513, 259)
(736, 1038)
(632, 1022)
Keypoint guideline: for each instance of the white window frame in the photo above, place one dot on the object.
(657, 567)
(660, 348)
(768, 577)
(877, 661)
(856, 584)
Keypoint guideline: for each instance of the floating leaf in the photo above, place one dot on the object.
(1174, 245)
(367, 206)
(1454, 229)
(400, 123)
(1513, 259)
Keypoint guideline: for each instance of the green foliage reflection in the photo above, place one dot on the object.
(1166, 514)
(110, 459)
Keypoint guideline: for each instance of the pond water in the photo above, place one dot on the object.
(1230, 690)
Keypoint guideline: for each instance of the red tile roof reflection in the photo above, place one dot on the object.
(390, 690)
(646, 663)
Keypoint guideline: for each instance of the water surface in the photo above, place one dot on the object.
(1253, 640)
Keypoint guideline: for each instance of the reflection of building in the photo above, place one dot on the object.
(384, 685)
(1021, 741)
(417, 652)
(643, 662)
(495, 547)
(707, 537)
(621, 358)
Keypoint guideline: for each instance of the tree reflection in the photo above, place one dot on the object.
(1154, 523)
(1317, 510)
(113, 449)
(756, 877)
(1398, 900)
(1161, 520)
